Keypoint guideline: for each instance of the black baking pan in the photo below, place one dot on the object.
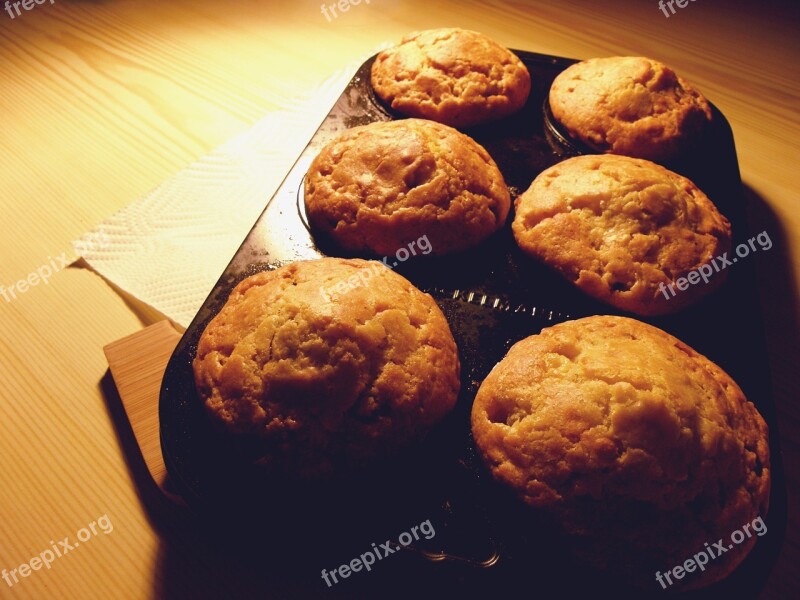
(485, 543)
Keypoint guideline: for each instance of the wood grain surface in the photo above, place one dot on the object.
(102, 100)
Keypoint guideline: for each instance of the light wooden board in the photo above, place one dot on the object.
(137, 363)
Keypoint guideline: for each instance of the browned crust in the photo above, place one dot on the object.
(639, 445)
(379, 187)
(329, 363)
(629, 105)
(454, 76)
(622, 230)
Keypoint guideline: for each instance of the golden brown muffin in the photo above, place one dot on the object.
(454, 76)
(629, 105)
(624, 230)
(641, 447)
(328, 363)
(379, 187)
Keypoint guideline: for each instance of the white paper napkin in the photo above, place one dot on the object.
(168, 248)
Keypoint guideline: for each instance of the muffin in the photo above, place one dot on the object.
(625, 231)
(453, 76)
(379, 187)
(641, 448)
(629, 105)
(326, 366)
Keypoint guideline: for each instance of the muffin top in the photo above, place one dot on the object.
(622, 229)
(328, 364)
(629, 105)
(628, 434)
(378, 187)
(454, 76)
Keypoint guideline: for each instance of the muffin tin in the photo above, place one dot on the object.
(492, 296)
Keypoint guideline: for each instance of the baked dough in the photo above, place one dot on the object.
(642, 448)
(379, 187)
(327, 365)
(454, 76)
(629, 105)
(625, 231)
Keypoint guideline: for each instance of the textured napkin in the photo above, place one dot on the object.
(168, 248)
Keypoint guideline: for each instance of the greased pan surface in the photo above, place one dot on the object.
(492, 297)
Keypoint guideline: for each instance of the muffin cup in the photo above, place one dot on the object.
(558, 137)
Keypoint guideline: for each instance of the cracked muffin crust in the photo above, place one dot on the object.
(622, 230)
(454, 76)
(381, 186)
(629, 105)
(641, 447)
(325, 386)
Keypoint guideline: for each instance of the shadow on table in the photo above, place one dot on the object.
(780, 302)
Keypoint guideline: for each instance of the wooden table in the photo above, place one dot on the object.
(102, 101)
